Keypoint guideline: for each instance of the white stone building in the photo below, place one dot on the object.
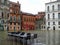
(52, 15)
(4, 13)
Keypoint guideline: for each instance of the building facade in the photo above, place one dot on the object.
(28, 21)
(4, 13)
(40, 21)
(14, 17)
(53, 15)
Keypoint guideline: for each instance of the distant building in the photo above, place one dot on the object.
(53, 15)
(14, 17)
(4, 13)
(40, 21)
(28, 21)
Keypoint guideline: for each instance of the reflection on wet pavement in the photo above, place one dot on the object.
(48, 37)
(53, 38)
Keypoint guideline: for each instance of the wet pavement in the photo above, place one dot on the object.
(53, 38)
(48, 37)
(44, 38)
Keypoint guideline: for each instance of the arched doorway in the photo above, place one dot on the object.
(53, 27)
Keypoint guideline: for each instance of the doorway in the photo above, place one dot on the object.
(54, 28)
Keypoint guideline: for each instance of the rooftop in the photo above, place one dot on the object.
(24, 13)
(53, 2)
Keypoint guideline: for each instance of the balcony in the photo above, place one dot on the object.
(50, 11)
(51, 19)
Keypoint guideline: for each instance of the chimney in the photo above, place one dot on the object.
(18, 2)
(58, 0)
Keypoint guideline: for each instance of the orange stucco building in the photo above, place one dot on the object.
(14, 17)
(28, 21)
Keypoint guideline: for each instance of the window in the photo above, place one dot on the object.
(8, 14)
(53, 23)
(5, 1)
(2, 1)
(48, 23)
(15, 11)
(58, 6)
(2, 21)
(58, 15)
(11, 18)
(14, 29)
(14, 23)
(59, 26)
(53, 7)
(14, 18)
(19, 18)
(48, 8)
(58, 23)
(44, 27)
(48, 16)
(18, 27)
(2, 14)
(53, 16)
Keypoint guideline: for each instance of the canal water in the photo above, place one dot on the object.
(44, 38)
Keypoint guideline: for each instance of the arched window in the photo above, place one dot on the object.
(58, 15)
(48, 8)
(53, 16)
(14, 29)
(58, 6)
(10, 18)
(48, 23)
(2, 14)
(14, 18)
(53, 7)
(48, 16)
(19, 18)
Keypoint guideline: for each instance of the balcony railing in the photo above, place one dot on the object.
(55, 10)
(51, 19)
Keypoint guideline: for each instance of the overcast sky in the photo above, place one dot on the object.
(32, 6)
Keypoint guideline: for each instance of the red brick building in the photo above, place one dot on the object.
(14, 17)
(28, 21)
